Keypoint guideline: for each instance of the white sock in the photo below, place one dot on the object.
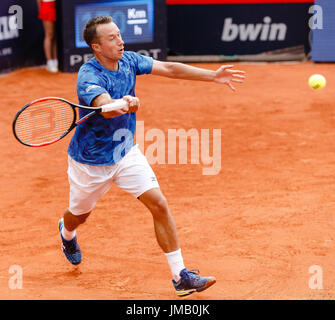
(176, 263)
(68, 235)
(54, 62)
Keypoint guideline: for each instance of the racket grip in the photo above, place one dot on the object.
(114, 105)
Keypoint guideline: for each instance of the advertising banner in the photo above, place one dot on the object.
(142, 24)
(323, 35)
(234, 1)
(262, 29)
(21, 35)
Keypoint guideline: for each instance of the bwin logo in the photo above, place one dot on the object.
(253, 32)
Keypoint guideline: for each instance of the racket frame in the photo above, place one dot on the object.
(95, 110)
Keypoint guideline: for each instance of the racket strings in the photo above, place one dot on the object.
(44, 121)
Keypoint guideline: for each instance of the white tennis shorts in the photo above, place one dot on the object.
(88, 183)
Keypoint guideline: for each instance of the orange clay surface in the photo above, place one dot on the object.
(257, 226)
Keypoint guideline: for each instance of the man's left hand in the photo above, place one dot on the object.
(226, 75)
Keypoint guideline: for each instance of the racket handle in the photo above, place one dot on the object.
(114, 105)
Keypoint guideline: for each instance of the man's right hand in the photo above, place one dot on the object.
(133, 103)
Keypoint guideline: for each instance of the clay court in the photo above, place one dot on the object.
(257, 226)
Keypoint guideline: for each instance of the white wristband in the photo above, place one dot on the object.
(118, 104)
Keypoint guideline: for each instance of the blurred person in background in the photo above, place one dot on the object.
(47, 13)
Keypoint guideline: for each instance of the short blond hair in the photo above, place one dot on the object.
(90, 29)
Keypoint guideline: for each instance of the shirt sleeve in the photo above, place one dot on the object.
(142, 63)
(90, 84)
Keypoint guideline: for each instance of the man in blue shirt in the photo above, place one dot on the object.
(102, 150)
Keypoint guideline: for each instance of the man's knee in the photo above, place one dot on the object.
(160, 207)
(155, 201)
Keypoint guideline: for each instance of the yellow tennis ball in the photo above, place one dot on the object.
(317, 81)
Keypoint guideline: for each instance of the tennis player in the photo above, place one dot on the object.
(102, 150)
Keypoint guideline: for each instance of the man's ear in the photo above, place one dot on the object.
(95, 47)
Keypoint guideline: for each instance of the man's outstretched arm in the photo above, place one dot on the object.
(177, 70)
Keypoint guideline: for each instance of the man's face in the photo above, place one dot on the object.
(109, 43)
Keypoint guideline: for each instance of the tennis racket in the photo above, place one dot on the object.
(47, 120)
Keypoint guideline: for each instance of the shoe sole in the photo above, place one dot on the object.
(208, 284)
(60, 223)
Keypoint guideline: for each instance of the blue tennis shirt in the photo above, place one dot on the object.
(100, 141)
